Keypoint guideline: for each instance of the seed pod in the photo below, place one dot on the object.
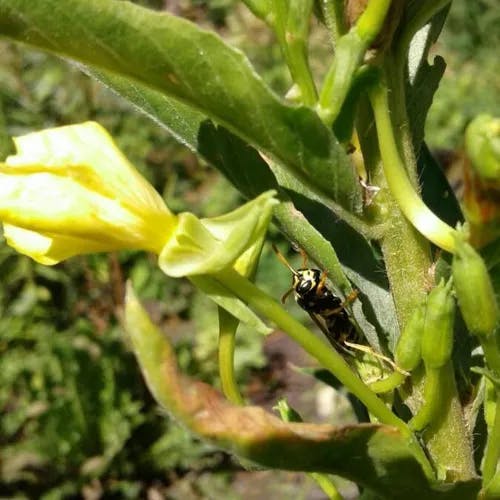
(437, 337)
(408, 353)
(474, 289)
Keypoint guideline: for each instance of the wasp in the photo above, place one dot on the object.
(326, 309)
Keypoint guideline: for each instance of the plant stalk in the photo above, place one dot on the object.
(407, 198)
(492, 452)
(227, 331)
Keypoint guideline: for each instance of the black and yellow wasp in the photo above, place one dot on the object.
(327, 309)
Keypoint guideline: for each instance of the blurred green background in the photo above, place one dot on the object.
(76, 420)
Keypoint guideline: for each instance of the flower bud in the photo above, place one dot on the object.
(475, 293)
(482, 179)
(408, 353)
(437, 338)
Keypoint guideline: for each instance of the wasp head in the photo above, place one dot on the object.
(305, 281)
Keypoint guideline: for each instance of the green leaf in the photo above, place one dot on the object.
(424, 78)
(194, 66)
(375, 456)
(239, 162)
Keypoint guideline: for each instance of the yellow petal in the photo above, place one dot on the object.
(76, 189)
(89, 149)
(47, 250)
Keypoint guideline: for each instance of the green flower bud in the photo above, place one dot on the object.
(482, 142)
(475, 293)
(437, 337)
(482, 179)
(408, 353)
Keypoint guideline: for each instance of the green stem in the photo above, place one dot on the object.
(288, 414)
(329, 358)
(327, 485)
(349, 54)
(491, 352)
(227, 330)
(412, 206)
(290, 23)
(396, 82)
(407, 262)
(295, 51)
(492, 490)
(492, 453)
(333, 12)
(371, 21)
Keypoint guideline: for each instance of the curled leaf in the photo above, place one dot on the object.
(375, 456)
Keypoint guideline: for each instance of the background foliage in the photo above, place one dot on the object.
(75, 417)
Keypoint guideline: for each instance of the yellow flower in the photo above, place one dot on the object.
(69, 191)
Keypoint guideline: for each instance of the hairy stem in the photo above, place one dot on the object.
(492, 453)
(407, 259)
(405, 194)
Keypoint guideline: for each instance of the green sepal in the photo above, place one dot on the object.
(207, 246)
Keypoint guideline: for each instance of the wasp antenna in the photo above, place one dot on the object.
(282, 258)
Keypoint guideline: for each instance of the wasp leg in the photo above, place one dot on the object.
(322, 282)
(350, 298)
(370, 351)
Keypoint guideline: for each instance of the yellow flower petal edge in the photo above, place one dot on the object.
(70, 190)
